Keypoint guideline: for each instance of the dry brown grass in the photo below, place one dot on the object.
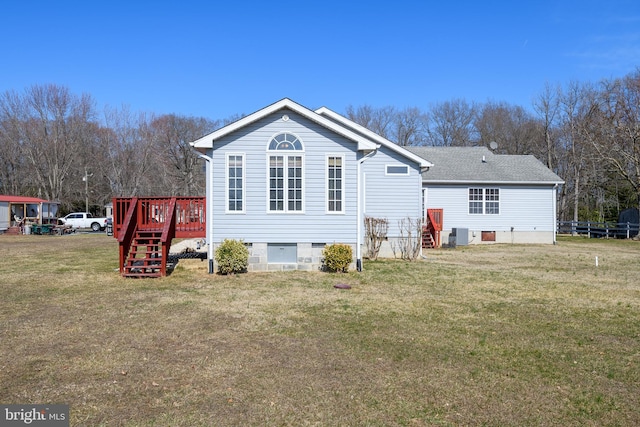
(493, 335)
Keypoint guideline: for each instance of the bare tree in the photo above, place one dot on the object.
(378, 120)
(130, 153)
(547, 106)
(181, 165)
(14, 176)
(616, 138)
(511, 127)
(410, 127)
(576, 108)
(451, 124)
(376, 230)
(410, 241)
(49, 123)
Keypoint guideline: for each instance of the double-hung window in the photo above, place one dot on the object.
(286, 174)
(235, 183)
(492, 201)
(484, 201)
(335, 184)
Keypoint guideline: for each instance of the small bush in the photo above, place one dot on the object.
(232, 256)
(337, 257)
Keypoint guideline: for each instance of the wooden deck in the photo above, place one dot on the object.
(145, 227)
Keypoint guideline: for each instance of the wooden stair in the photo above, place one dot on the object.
(145, 255)
(431, 230)
(428, 242)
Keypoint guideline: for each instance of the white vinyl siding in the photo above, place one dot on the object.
(525, 208)
(313, 224)
(335, 184)
(393, 197)
(235, 183)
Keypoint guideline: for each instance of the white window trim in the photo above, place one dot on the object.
(326, 184)
(226, 183)
(387, 166)
(285, 154)
(492, 201)
(484, 201)
(285, 151)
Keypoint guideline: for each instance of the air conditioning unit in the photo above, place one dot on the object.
(460, 236)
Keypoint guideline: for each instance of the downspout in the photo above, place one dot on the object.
(209, 208)
(555, 214)
(359, 208)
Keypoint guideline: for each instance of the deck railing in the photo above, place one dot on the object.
(152, 212)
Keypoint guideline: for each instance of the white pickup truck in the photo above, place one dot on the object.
(84, 220)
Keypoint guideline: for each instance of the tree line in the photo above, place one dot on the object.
(587, 133)
(58, 146)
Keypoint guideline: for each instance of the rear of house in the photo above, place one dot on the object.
(490, 198)
(288, 181)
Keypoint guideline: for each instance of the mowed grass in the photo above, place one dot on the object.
(501, 335)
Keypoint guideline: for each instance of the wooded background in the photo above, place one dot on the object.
(58, 146)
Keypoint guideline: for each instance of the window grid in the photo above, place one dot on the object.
(334, 184)
(492, 201)
(276, 183)
(235, 183)
(484, 201)
(475, 200)
(286, 172)
(294, 175)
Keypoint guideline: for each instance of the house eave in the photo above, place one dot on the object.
(206, 142)
(490, 182)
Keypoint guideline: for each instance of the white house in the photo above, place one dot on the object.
(288, 180)
(490, 198)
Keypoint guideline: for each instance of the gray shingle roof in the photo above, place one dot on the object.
(465, 164)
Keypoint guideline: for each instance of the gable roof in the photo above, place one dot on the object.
(479, 165)
(206, 142)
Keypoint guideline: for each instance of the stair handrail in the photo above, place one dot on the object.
(435, 223)
(168, 232)
(127, 231)
(435, 218)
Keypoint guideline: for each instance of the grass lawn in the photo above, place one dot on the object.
(501, 335)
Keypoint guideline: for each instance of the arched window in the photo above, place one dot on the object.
(285, 141)
(286, 173)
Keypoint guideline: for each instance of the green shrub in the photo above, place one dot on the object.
(232, 256)
(337, 257)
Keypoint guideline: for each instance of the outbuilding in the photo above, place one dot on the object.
(18, 211)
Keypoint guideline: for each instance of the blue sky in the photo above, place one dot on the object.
(217, 59)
